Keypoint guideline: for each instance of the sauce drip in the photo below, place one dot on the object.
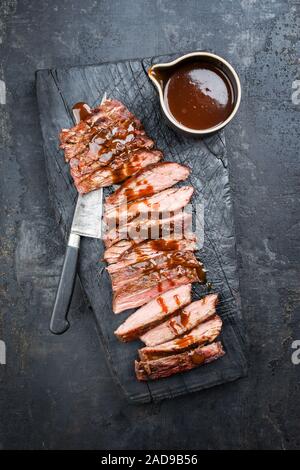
(201, 273)
(177, 300)
(164, 245)
(185, 341)
(199, 95)
(81, 111)
(163, 305)
(133, 193)
(198, 357)
(184, 318)
(179, 323)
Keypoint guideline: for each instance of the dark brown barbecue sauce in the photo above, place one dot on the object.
(81, 111)
(184, 318)
(164, 245)
(199, 95)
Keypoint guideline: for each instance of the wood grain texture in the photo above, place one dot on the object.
(127, 81)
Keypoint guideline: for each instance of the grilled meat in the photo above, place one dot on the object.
(169, 200)
(149, 181)
(187, 319)
(155, 311)
(106, 147)
(148, 240)
(127, 252)
(118, 171)
(161, 263)
(204, 333)
(113, 253)
(153, 228)
(102, 127)
(151, 285)
(170, 365)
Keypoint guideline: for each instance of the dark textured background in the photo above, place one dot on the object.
(57, 392)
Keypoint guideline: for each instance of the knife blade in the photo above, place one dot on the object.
(87, 222)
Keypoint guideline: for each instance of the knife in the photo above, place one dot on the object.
(87, 222)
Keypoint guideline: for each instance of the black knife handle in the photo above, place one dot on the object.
(59, 320)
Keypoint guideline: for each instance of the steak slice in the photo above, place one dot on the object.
(204, 333)
(188, 318)
(113, 253)
(162, 263)
(149, 181)
(142, 229)
(96, 157)
(117, 171)
(134, 157)
(169, 200)
(170, 365)
(127, 252)
(155, 311)
(151, 285)
(110, 119)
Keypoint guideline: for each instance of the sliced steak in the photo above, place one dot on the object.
(117, 172)
(106, 138)
(161, 263)
(204, 333)
(155, 311)
(113, 254)
(110, 119)
(149, 181)
(169, 200)
(149, 250)
(187, 319)
(141, 229)
(95, 158)
(127, 252)
(151, 285)
(135, 158)
(170, 365)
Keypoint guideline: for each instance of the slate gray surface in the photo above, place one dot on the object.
(58, 90)
(56, 393)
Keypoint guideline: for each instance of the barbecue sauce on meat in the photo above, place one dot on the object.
(198, 357)
(100, 143)
(184, 318)
(199, 95)
(133, 193)
(163, 305)
(201, 273)
(185, 342)
(179, 322)
(81, 111)
(164, 245)
(168, 262)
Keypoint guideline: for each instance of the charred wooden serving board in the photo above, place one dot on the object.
(127, 81)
